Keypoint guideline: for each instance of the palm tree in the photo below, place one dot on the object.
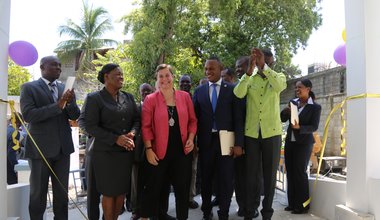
(86, 36)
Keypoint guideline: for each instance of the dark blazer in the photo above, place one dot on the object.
(106, 123)
(228, 114)
(139, 143)
(48, 124)
(308, 120)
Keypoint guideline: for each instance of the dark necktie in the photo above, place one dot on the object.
(53, 90)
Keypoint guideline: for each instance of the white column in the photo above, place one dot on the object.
(5, 6)
(363, 115)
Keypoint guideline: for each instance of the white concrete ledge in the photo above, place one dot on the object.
(18, 200)
(343, 212)
(327, 194)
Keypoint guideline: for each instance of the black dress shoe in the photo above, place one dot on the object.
(193, 204)
(299, 211)
(208, 217)
(288, 208)
(122, 210)
(166, 217)
(134, 216)
(128, 206)
(241, 212)
(214, 202)
(255, 213)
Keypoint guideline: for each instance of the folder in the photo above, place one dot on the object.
(227, 141)
(69, 83)
(293, 114)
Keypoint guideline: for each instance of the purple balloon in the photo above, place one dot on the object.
(23, 53)
(340, 55)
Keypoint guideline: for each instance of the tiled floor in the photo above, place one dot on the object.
(279, 204)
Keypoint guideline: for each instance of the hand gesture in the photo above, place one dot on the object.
(296, 126)
(251, 64)
(286, 110)
(260, 58)
(67, 97)
(126, 142)
(236, 151)
(189, 146)
(151, 157)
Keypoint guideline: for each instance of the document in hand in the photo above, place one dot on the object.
(293, 114)
(69, 83)
(227, 141)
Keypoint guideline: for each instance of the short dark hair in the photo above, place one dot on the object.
(230, 72)
(185, 75)
(243, 59)
(47, 59)
(216, 58)
(267, 52)
(106, 69)
(145, 85)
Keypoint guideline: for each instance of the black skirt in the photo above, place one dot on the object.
(112, 172)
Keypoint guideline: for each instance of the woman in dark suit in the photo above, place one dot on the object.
(299, 144)
(168, 128)
(111, 117)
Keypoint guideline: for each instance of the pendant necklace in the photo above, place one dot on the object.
(171, 112)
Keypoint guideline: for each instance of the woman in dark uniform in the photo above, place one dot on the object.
(111, 117)
(299, 144)
(169, 125)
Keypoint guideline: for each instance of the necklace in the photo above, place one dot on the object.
(171, 112)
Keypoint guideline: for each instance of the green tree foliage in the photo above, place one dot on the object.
(185, 32)
(86, 37)
(17, 75)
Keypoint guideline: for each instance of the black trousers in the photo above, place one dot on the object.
(137, 186)
(178, 172)
(39, 180)
(297, 157)
(214, 164)
(240, 182)
(265, 153)
(11, 174)
(93, 196)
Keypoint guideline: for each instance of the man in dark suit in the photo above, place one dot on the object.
(217, 108)
(48, 110)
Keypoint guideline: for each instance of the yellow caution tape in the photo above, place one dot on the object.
(343, 130)
(14, 114)
(15, 132)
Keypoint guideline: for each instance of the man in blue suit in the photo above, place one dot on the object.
(48, 110)
(217, 108)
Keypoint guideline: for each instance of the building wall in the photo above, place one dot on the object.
(82, 85)
(329, 87)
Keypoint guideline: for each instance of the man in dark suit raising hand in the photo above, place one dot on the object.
(48, 110)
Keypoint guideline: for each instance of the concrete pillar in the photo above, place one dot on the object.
(5, 6)
(363, 119)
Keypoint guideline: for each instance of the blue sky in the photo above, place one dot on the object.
(37, 22)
